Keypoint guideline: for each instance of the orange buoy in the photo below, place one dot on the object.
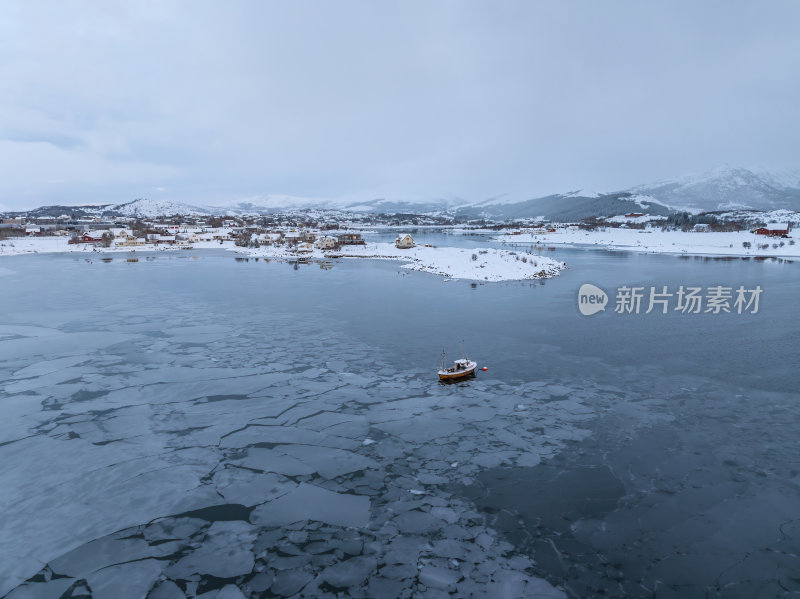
(484, 368)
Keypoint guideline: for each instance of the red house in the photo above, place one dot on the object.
(773, 229)
(92, 237)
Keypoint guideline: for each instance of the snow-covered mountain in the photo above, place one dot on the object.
(145, 208)
(275, 203)
(282, 203)
(567, 207)
(723, 188)
(726, 188)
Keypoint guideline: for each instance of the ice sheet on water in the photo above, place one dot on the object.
(100, 487)
(22, 330)
(447, 514)
(166, 590)
(137, 578)
(167, 529)
(328, 461)
(400, 408)
(420, 429)
(52, 589)
(299, 412)
(477, 413)
(225, 552)
(238, 485)
(385, 587)
(416, 522)
(324, 420)
(39, 369)
(431, 479)
(404, 549)
(311, 373)
(506, 437)
(557, 390)
(99, 554)
(167, 408)
(391, 448)
(494, 458)
(213, 379)
(270, 460)
(285, 434)
(197, 334)
(229, 591)
(529, 459)
(289, 582)
(439, 578)
(21, 415)
(350, 572)
(510, 584)
(449, 548)
(354, 429)
(68, 343)
(309, 502)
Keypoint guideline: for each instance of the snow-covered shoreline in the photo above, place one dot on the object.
(655, 241)
(59, 245)
(486, 265)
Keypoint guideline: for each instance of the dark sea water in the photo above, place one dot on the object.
(163, 413)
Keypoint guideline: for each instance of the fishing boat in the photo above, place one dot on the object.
(461, 369)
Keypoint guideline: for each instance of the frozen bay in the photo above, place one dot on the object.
(194, 424)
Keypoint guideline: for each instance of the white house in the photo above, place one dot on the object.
(130, 240)
(326, 243)
(305, 248)
(404, 241)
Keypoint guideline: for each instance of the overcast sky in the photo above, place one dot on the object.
(205, 102)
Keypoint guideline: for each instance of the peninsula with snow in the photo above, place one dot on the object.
(297, 244)
(488, 264)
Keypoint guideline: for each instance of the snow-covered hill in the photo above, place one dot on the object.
(285, 203)
(727, 188)
(724, 188)
(145, 208)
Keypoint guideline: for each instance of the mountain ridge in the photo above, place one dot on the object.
(721, 188)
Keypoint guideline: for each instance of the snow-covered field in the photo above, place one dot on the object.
(666, 242)
(455, 263)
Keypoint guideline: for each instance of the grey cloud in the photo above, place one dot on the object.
(414, 100)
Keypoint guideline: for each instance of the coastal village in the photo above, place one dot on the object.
(323, 232)
(301, 238)
(514, 250)
(280, 239)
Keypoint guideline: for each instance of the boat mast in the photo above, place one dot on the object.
(442, 366)
(463, 351)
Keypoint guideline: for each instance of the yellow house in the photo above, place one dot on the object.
(404, 241)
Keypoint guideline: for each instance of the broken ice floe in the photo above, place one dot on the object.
(163, 477)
